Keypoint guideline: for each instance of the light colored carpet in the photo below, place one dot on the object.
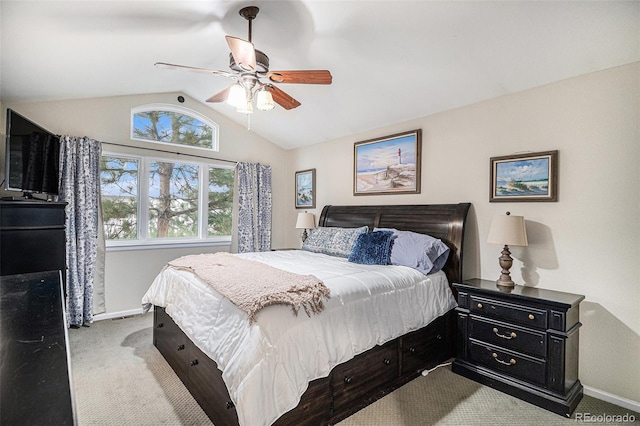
(121, 379)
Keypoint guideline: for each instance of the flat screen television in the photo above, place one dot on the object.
(32, 157)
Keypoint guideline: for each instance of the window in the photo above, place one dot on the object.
(149, 201)
(119, 192)
(170, 124)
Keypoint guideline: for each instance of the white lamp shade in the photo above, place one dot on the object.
(237, 96)
(264, 101)
(246, 108)
(306, 221)
(509, 230)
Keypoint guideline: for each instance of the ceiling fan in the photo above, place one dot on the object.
(248, 66)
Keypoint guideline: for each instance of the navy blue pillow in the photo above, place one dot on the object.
(372, 248)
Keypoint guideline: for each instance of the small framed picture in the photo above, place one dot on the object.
(306, 189)
(525, 177)
(388, 165)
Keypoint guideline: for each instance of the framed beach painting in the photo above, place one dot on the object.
(388, 165)
(306, 189)
(525, 177)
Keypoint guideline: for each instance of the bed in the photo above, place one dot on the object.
(319, 368)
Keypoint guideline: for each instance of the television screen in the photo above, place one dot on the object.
(32, 157)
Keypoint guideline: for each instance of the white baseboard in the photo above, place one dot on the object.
(121, 314)
(613, 399)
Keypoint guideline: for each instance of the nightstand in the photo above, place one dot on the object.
(521, 341)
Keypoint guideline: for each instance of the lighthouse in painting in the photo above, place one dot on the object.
(399, 156)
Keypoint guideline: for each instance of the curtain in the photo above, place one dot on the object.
(80, 189)
(254, 207)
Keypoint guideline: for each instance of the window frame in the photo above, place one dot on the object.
(143, 241)
(181, 110)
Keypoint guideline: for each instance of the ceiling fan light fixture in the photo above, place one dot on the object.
(264, 101)
(248, 66)
(237, 96)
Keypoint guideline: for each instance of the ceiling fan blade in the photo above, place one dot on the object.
(301, 77)
(244, 54)
(184, 67)
(220, 97)
(282, 99)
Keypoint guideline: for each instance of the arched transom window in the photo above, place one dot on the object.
(175, 125)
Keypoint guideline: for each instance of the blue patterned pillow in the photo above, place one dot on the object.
(332, 240)
(373, 248)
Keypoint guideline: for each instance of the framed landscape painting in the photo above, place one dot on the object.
(306, 189)
(388, 165)
(525, 177)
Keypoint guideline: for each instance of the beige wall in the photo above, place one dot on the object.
(588, 242)
(128, 274)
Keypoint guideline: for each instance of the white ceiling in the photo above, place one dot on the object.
(391, 61)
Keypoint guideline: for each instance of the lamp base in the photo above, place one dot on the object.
(505, 263)
(505, 283)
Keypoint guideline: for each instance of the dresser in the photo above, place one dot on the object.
(35, 373)
(521, 341)
(32, 237)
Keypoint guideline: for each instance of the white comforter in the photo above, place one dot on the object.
(267, 366)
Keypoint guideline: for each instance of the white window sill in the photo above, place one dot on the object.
(164, 246)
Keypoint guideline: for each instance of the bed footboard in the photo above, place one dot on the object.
(349, 387)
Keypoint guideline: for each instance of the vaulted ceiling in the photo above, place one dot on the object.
(391, 61)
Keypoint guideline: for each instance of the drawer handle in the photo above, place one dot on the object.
(194, 363)
(510, 336)
(531, 317)
(386, 361)
(480, 305)
(181, 348)
(511, 361)
(161, 325)
(412, 350)
(348, 380)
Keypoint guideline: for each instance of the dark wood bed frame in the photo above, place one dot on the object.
(362, 380)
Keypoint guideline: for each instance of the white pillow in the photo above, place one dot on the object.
(418, 251)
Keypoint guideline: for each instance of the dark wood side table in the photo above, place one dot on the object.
(523, 342)
(35, 381)
(32, 237)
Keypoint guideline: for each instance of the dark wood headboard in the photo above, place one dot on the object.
(443, 221)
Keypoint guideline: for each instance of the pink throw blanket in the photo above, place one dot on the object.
(252, 285)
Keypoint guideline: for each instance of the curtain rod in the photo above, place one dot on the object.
(169, 152)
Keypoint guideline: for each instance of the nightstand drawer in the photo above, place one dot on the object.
(524, 315)
(515, 365)
(508, 336)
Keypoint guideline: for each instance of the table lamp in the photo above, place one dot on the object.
(305, 221)
(507, 230)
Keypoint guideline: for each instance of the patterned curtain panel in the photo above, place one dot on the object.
(254, 207)
(80, 188)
